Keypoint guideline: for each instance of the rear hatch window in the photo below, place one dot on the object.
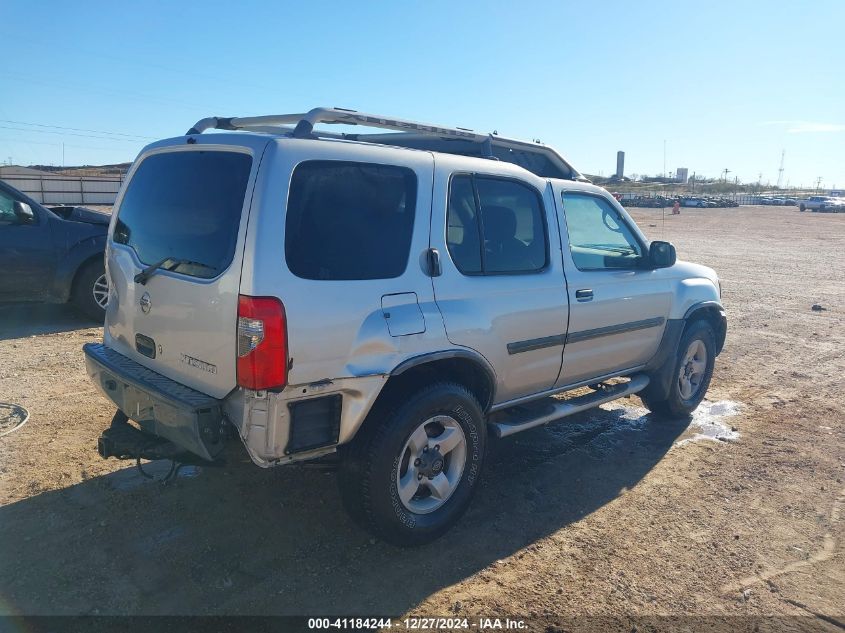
(185, 206)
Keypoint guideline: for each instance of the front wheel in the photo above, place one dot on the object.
(691, 375)
(410, 475)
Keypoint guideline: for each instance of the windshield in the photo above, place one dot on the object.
(186, 207)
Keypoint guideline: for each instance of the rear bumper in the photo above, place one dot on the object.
(164, 408)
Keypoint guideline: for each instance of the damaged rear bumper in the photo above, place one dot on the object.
(166, 411)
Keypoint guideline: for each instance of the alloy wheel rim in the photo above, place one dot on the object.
(431, 464)
(693, 369)
(101, 291)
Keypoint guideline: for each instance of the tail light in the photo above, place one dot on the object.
(262, 343)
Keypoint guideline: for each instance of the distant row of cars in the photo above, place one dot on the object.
(821, 204)
(778, 201)
(656, 202)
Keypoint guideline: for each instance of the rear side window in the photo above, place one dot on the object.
(349, 220)
(185, 206)
(495, 226)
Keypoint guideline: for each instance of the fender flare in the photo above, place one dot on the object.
(661, 367)
(716, 311)
(464, 354)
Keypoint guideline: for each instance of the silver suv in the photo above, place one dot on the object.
(393, 298)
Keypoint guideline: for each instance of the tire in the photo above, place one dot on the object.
(376, 475)
(802, 208)
(88, 291)
(686, 393)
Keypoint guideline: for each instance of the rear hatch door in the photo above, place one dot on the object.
(185, 210)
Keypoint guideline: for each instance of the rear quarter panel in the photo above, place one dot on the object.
(337, 329)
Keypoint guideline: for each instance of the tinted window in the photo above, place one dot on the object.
(349, 220)
(463, 236)
(185, 206)
(598, 236)
(513, 226)
(510, 224)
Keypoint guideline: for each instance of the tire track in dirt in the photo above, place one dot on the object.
(826, 552)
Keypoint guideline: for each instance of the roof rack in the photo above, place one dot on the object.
(533, 156)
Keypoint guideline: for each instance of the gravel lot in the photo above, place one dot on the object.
(605, 514)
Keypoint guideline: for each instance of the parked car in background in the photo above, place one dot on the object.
(53, 255)
(817, 203)
(832, 205)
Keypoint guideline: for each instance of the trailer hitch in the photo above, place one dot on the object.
(125, 441)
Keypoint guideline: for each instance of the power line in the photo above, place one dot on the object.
(102, 138)
(77, 129)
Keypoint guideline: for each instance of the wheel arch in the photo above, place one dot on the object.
(464, 367)
(713, 313)
(661, 367)
(69, 267)
(80, 267)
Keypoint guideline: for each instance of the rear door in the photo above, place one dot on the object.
(184, 207)
(618, 309)
(502, 290)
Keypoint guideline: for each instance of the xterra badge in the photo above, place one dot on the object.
(199, 364)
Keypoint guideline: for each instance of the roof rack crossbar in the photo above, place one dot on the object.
(303, 127)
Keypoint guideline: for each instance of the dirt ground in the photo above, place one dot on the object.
(601, 515)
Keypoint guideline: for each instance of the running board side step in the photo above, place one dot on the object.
(531, 415)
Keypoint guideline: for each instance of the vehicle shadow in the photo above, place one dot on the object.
(241, 540)
(19, 320)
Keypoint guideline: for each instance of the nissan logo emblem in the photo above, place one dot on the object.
(145, 303)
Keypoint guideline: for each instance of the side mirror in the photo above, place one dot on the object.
(661, 255)
(23, 212)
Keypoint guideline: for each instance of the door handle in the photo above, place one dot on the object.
(585, 294)
(432, 256)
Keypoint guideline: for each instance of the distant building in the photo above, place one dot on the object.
(682, 175)
(620, 165)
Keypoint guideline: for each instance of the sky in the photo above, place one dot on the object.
(720, 85)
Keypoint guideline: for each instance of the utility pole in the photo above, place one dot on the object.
(664, 158)
(780, 171)
(818, 183)
(725, 171)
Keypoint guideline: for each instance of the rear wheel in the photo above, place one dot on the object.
(410, 475)
(91, 291)
(692, 373)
